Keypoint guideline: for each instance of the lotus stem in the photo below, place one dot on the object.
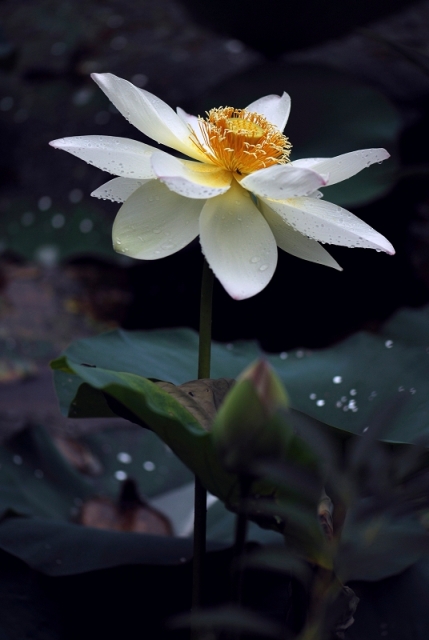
(200, 500)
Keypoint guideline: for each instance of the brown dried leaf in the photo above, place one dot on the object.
(201, 398)
(130, 513)
(79, 456)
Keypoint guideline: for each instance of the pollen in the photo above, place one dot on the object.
(240, 141)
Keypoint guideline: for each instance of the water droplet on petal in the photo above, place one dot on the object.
(263, 267)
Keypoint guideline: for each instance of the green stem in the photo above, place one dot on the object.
(200, 502)
(241, 525)
(204, 353)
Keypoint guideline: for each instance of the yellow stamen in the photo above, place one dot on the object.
(241, 141)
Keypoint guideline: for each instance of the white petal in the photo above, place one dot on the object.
(327, 222)
(275, 109)
(148, 113)
(281, 181)
(120, 156)
(344, 166)
(118, 189)
(194, 124)
(238, 243)
(294, 242)
(155, 222)
(190, 179)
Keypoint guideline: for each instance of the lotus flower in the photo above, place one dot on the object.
(238, 189)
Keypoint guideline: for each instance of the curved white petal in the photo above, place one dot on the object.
(193, 123)
(294, 242)
(118, 189)
(274, 108)
(155, 222)
(281, 181)
(343, 166)
(190, 179)
(327, 222)
(120, 156)
(148, 113)
(238, 243)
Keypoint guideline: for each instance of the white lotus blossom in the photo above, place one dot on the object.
(238, 191)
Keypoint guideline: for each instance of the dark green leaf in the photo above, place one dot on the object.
(230, 618)
(344, 386)
(379, 546)
(280, 560)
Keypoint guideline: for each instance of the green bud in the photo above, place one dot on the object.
(249, 425)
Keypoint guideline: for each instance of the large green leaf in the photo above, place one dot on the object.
(147, 403)
(41, 496)
(395, 608)
(57, 234)
(345, 386)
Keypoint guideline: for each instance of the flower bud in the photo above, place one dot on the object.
(249, 425)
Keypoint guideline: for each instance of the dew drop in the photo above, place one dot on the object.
(263, 267)
(388, 344)
(58, 221)
(337, 379)
(365, 430)
(149, 465)
(353, 392)
(312, 396)
(283, 355)
(124, 457)
(120, 475)
(255, 259)
(320, 403)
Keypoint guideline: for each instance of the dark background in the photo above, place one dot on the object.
(198, 55)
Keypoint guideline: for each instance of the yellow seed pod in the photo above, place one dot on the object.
(245, 128)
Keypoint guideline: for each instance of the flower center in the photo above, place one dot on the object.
(241, 141)
(249, 130)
